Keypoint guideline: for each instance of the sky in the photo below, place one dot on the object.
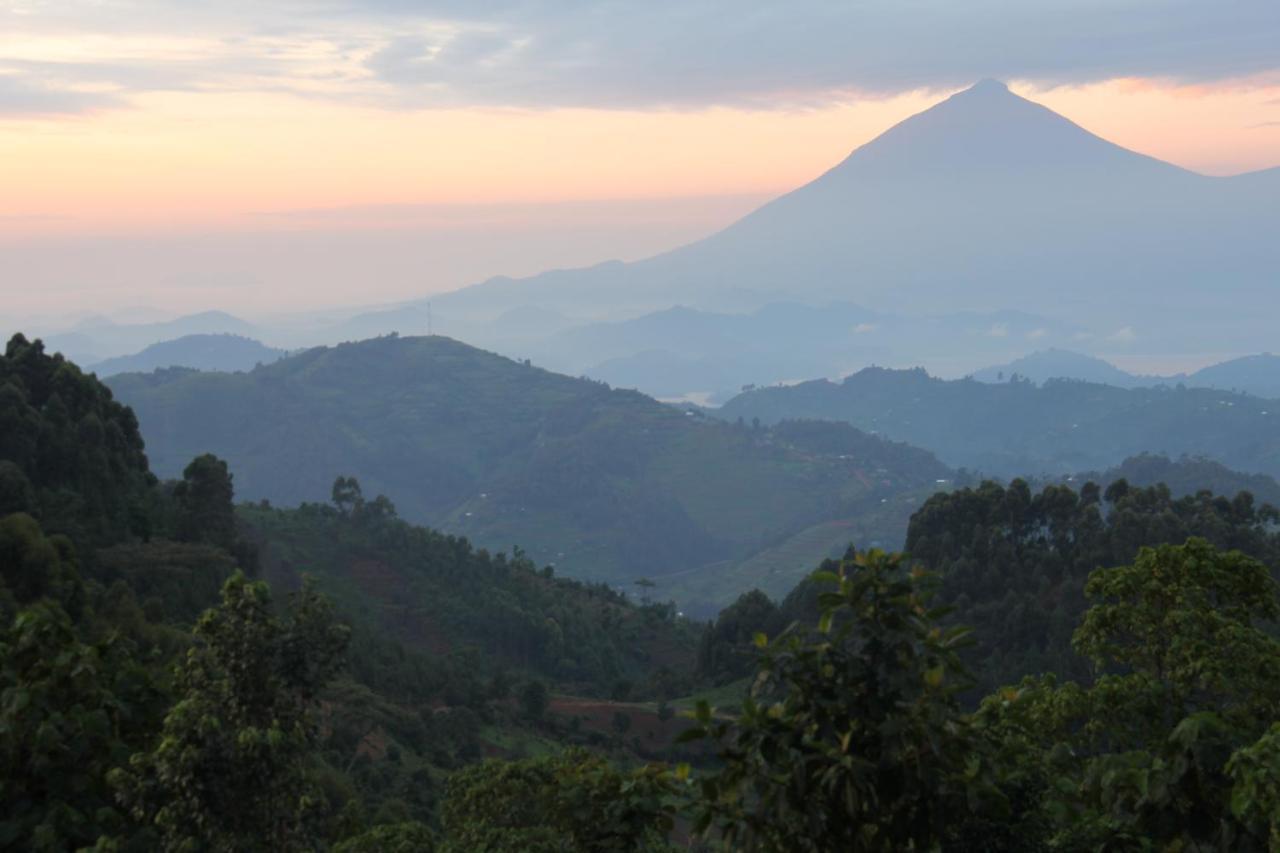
(164, 156)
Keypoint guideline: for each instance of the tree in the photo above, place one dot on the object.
(574, 802)
(34, 566)
(346, 495)
(1185, 677)
(63, 724)
(230, 769)
(204, 497)
(851, 738)
(534, 700)
(407, 837)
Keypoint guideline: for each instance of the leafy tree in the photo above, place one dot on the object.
(1186, 676)
(206, 512)
(34, 566)
(1255, 795)
(230, 769)
(534, 700)
(69, 454)
(574, 802)
(852, 738)
(346, 495)
(16, 494)
(1014, 564)
(407, 837)
(65, 714)
(726, 651)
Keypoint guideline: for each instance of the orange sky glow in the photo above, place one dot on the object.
(259, 160)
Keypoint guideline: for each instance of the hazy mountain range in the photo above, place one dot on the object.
(220, 352)
(963, 236)
(1254, 374)
(1020, 428)
(984, 202)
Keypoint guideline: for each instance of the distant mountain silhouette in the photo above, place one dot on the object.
(99, 338)
(1048, 364)
(1258, 375)
(225, 353)
(984, 202)
(1018, 428)
(1252, 374)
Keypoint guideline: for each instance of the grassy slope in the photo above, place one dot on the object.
(606, 484)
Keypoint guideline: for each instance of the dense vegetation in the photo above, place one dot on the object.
(605, 484)
(393, 688)
(1014, 563)
(147, 684)
(1018, 428)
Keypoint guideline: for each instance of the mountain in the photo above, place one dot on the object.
(1049, 364)
(1186, 476)
(98, 338)
(1258, 375)
(606, 484)
(984, 202)
(1253, 374)
(688, 352)
(225, 352)
(1019, 428)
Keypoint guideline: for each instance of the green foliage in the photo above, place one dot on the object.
(229, 771)
(205, 512)
(1014, 564)
(534, 700)
(174, 582)
(605, 483)
(1011, 428)
(66, 709)
(74, 456)
(1255, 795)
(1185, 677)
(569, 803)
(34, 566)
(408, 837)
(432, 596)
(727, 650)
(852, 738)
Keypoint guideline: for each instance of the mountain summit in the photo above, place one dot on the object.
(987, 126)
(986, 201)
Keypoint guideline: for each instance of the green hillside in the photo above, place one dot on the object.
(603, 483)
(1018, 428)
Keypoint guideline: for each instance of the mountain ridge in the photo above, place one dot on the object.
(982, 230)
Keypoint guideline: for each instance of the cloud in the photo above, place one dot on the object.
(687, 53)
(1036, 334)
(1123, 335)
(22, 97)
(683, 54)
(998, 330)
(1263, 124)
(864, 328)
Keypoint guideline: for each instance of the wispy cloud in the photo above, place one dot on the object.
(660, 54)
(21, 96)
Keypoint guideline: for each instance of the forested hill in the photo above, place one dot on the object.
(222, 352)
(604, 483)
(451, 653)
(1019, 429)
